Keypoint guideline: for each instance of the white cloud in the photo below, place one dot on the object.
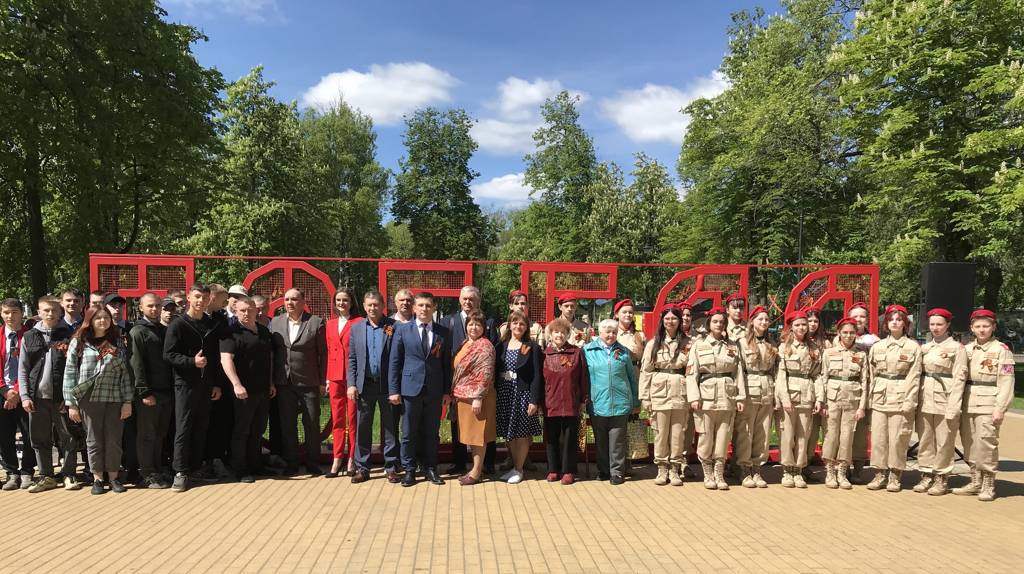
(251, 10)
(508, 191)
(386, 92)
(654, 112)
(517, 115)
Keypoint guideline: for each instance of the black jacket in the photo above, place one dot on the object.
(33, 352)
(529, 370)
(185, 337)
(152, 372)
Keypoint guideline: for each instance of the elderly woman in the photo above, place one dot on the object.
(519, 387)
(716, 389)
(98, 391)
(614, 395)
(566, 389)
(473, 390)
(663, 395)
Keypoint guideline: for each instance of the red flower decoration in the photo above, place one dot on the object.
(61, 346)
(389, 330)
(524, 349)
(436, 351)
(615, 355)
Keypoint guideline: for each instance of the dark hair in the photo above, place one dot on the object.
(908, 325)
(476, 316)
(85, 333)
(176, 292)
(819, 335)
(13, 303)
(425, 295)
(374, 294)
(659, 338)
(353, 310)
(98, 293)
(73, 291)
(513, 316)
(201, 287)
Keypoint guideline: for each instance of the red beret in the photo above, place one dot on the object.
(812, 310)
(940, 312)
(895, 309)
(795, 315)
(983, 314)
(735, 297)
(566, 297)
(759, 309)
(858, 305)
(515, 293)
(621, 304)
(683, 305)
(846, 321)
(716, 311)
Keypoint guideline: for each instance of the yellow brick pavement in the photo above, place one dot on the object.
(320, 525)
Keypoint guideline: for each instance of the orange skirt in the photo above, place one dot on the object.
(477, 430)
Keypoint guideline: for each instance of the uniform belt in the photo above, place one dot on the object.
(670, 371)
(981, 383)
(706, 376)
(843, 378)
(890, 376)
(939, 375)
(798, 375)
(751, 372)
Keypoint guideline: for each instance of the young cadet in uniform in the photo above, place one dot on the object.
(736, 328)
(865, 339)
(518, 301)
(687, 328)
(753, 425)
(942, 387)
(987, 395)
(895, 364)
(842, 386)
(816, 333)
(799, 365)
(581, 332)
(663, 395)
(716, 389)
(627, 334)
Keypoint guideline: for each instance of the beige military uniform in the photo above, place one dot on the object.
(942, 387)
(752, 427)
(537, 334)
(895, 380)
(989, 389)
(860, 436)
(794, 387)
(843, 385)
(817, 421)
(715, 379)
(635, 341)
(663, 396)
(580, 334)
(736, 331)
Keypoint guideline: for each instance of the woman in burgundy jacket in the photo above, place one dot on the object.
(566, 389)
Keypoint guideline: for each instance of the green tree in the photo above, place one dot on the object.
(432, 192)
(107, 134)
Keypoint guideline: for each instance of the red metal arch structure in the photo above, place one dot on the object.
(839, 282)
(440, 279)
(274, 279)
(699, 283)
(546, 282)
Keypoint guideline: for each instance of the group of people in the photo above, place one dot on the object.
(192, 386)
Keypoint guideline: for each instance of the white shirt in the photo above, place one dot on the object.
(293, 329)
(398, 318)
(341, 323)
(430, 332)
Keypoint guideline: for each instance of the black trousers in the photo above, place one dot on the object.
(191, 419)
(561, 438)
(12, 422)
(129, 444)
(274, 428)
(153, 424)
(460, 454)
(250, 420)
(292, 401)
(219, 435)
(420, 425)
(365, 410)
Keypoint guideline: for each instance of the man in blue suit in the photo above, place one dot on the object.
(369, 349)
(420, 379)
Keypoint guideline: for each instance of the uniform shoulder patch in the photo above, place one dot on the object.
(1007, 369)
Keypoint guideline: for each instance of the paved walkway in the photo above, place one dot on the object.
(331, 525)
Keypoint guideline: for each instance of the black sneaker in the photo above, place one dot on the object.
(116, 486)
(156, 482)
(180, 483)
(97, 487)
(247, 479)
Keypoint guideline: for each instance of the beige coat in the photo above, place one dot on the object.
(714, 376)
(944, 372)
(760, 367)
(895, 375)
(798, 369)
(843, 381)
(991, 378)
(663, 378)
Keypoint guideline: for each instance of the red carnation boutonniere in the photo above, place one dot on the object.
(108, 351)
(564, 360)
(388, 331)
(436, 350)
(524, 349)
(855, 359)
(61, 346)
(616, 353)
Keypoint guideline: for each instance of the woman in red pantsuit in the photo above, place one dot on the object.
(343, 411)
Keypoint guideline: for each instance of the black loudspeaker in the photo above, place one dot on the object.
(951, 286)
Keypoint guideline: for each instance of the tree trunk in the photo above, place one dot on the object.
(993, 283)
(39, 269)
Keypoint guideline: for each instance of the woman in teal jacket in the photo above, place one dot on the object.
(614, 395)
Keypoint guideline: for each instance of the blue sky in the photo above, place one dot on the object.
(633, 64)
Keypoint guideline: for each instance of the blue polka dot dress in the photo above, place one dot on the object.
(513, 422)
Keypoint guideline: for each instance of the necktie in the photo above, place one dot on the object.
(425, 339)
(11, 368)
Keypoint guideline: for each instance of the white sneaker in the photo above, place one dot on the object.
(507, 476)
(516, 478)
(71, 483)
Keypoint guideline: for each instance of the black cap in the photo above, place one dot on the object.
(113, 298)
(167, 302)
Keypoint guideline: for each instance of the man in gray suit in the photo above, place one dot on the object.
(302, 341)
